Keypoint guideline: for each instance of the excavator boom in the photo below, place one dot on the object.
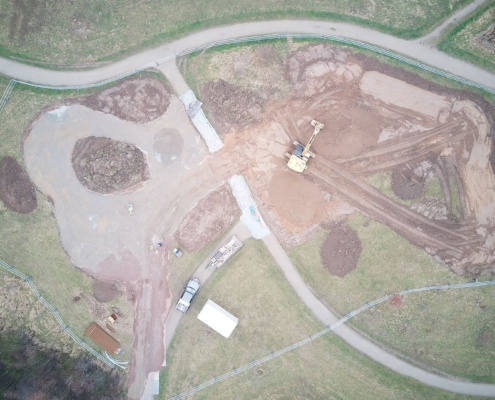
(318, 127)
(298, 159)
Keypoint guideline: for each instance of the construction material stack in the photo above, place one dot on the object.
(225, 252)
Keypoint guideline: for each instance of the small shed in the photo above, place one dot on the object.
(102, 338)
(218, 319)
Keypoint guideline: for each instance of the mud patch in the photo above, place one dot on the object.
(395, 301)
(104, 291)
(208, 220)
(107, 166)
(297, 202)
(231, 105)
(486, 339)
(16, 190)
(341, 250)
(138, 99)
(406, 184)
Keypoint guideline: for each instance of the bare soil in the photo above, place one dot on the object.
(138, 99)
(104, 291)
(406, 184)
(489, 36)
(395, 301)
(107, 166)
(341, 250)
(208, 220)
(486, 339)
(231, 106)
(16, 189)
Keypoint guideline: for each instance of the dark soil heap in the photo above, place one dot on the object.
(16, 190)
(104, 291)
(138, 99)
(406, 184)
(231, 104)
(341, 250)
(208, 220)
(107, 166)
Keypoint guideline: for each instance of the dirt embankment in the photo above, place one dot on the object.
(341, 250)
(106, 166)
(138, 99)
(16, 189)
(208, 220)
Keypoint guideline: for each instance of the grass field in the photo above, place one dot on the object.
(440, 329)
(31, 242)
(86, 31)
(271, 317)
(461, 41)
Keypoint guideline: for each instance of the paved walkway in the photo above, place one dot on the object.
(358, 342)
(414, 49)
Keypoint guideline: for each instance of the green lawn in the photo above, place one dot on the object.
(439, 329)
(461, 41)
(271, 317)
(79, 31)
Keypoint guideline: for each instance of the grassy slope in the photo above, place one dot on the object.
(271, 317)
(438, 329)
(83, 31)
(460, 40)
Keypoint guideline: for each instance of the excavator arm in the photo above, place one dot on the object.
(318, 127)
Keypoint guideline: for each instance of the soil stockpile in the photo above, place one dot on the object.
(406, 184)
(138, 99)
(104, 291)
(107, 166)
(341, 250)
(208, 220)
(231, 105)
(16, 190)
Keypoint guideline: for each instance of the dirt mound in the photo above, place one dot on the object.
(208, 220)
(107, 166)
(16, 190)
(297, 202)
(395, 300)
(104, 291)
(138, 99)
(231, 105)
(406, 183)
(341, 250)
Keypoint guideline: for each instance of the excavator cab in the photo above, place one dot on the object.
(300, 156)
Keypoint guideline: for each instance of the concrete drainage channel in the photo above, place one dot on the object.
(484, 389)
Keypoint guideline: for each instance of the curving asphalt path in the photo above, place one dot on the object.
(413, 49)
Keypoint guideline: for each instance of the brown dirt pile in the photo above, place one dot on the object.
(341, 250)
(208, 220)
(297, 202)
(104, 291)
(16, 190)
(406, 184)
(106, 166)
(137, 99)
(395, 300)
(486, 339)
(231, 105)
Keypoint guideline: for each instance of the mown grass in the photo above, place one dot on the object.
(86, 31)
(461, 41)
(271, 317)
(439, 329)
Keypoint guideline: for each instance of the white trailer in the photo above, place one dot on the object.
(225, 252)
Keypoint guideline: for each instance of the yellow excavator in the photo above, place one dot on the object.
(298, 159)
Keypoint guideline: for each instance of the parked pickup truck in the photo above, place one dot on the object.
(189, 293)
